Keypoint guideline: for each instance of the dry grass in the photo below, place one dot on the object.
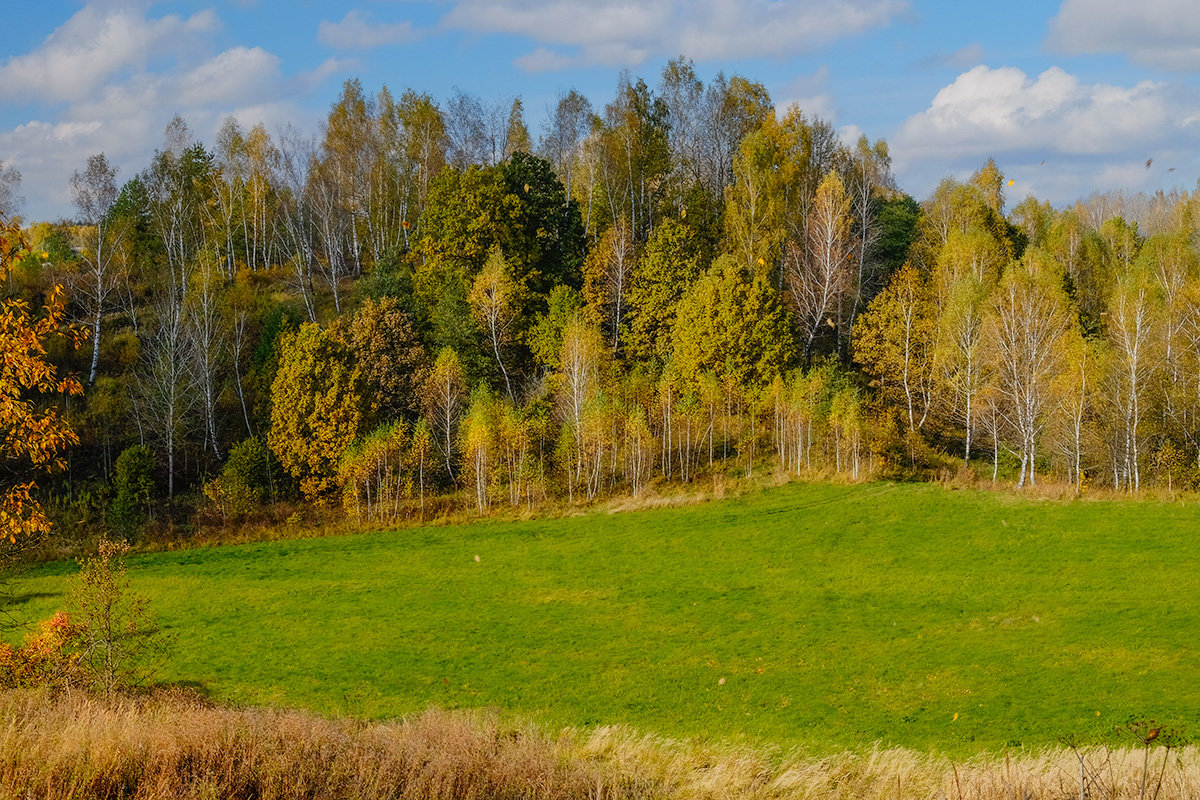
(176, 746)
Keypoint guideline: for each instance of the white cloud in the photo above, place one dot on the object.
(96, 44)
(1002, 110)
(357, 32)
(621, 33)
(238, 75)
(121, 105)
(807, 93)
(1160, 33)
(542, 60)
(1052, 131)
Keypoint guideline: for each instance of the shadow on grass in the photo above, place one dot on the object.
(26, 597)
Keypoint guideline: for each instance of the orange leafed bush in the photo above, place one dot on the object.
(48, 658)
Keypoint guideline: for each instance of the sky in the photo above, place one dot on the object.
(1069, 97)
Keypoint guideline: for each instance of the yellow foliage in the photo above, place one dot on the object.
(32, 438)
(316, 408)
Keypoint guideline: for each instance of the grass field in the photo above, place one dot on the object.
(819, 615)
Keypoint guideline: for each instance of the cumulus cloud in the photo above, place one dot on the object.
(121, 104)
(1160, 33)
(96, 44)
(357, 32)
(1003, 110)
(1053, 129)
(620, 33)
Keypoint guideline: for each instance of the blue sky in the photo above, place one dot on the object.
(1069, 98)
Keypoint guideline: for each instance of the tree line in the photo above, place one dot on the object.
(418, 301)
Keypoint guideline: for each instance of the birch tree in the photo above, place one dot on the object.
(818, 277)
(94, 192)
(896, 344)
(576, 384)
(494, 302)
(964, 368)
(1133, 333)
(565, 131)
(608, 274)
(869, 178)
(1027, 321)
(442, 398)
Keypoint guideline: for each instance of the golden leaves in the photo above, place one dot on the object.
(30, 435)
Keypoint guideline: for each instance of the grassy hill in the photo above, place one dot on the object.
(820, 615)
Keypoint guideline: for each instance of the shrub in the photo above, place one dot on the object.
(48, 658)
(133, 483)
(116, 636)
(250, 477)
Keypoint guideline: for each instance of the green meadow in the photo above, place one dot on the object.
(817, 615)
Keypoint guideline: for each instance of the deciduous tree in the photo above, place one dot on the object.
(32, 438)
(316, 408)
(733, 325)
(94, 192)
(1026, 324)
(896, 344)
(442, 399)
(818, 275)
(495, 304)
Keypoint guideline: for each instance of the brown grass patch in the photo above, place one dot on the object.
(178, 746)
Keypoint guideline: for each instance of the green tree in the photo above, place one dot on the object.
(895, 342)
(118, 638)
(547, 237)
(467, 213)
(734, 326)
(636, 155)
(754, 205)
(375, 474)
(133, 482)
(520, 207)
(316, 408)
(250, 477)
(546, 335)
(669, 265)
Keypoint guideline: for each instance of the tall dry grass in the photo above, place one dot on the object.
(176, 746)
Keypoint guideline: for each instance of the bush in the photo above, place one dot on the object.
(118, 640)
(250, 477)
(133, 484)
(47, 659)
